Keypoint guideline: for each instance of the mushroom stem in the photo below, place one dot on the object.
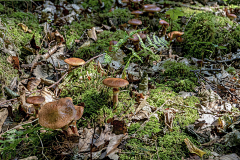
(74, 128)
(36, 107)
(67, 131)
(115, 96)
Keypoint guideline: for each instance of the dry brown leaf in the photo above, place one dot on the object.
(23, 26)
(86, 44)
(92, 34)
(86, 140)
(192, 148)
(114, 142)
(3, 116)
(33, 83)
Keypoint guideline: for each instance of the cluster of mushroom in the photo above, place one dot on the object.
(61, 114)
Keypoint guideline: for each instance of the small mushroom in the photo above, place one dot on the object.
(115, 83)
(36, 101)
(136, 3)
(174, 34)
(149, 6)
(165, 25)
(230, 16)
(143, 36)
(80, 110)
(58, 114)
(137, 13)
(135, 41)
(112, 43)
(135, 23)
(151, 11)
(74, 62)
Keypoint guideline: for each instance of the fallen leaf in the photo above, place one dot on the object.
(3, 116)
(192, 148)
(33, 83)
(92, 34)
(23, 26)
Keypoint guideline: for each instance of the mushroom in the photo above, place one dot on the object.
(112, 43)
(136, 3)
(74, 62)
(230, 16)
(58, 114)
(165, 25)
(128, 3)
(137, 13)
(149, 6)
(151, 11)
(115, 83)
(36, 101)
(80, 110)
(135, 23)
(143, 36)
(135, 41)
(175, 34)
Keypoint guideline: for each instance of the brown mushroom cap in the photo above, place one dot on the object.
(143, 36)
(152, 9)
(57, 114)
(115, 82)
(163, 23)
(137, 12)
(175, 34)
(80, 110)
(136, 1)
(113, 42)
(135, 22)
(125, 1)
(74, 61)
(35, 100)
(135, 38)
(149, 5)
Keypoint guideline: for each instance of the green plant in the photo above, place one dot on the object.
(206, 32)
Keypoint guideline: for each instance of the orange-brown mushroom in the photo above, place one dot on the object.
(80, 110)
(135, 23)
(135, 41)
(151, 11)
(74, 62)
(174, 34)
(36, 101)
(112, 43)
(58, 114)
(115, 83)
(230, 16)
(137, 13)
(164, 25)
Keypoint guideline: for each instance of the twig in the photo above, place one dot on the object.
(42, 146)
(188, 22)
(18, 126)
(157, 149)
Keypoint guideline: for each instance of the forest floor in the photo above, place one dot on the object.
(101, 79)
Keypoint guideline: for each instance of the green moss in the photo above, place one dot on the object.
(178, 76)
(94, 4)
(75, 30)
(205, 32)
(101, 45)
(118, 16)
(7, 72)
(170, 145)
